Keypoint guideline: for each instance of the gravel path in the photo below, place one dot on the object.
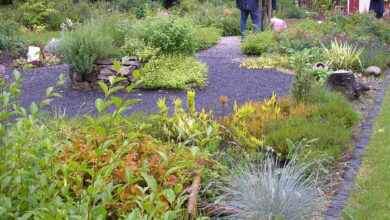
(225, 78)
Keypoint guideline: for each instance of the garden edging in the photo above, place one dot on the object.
(340, 197)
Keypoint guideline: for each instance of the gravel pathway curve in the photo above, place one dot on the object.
(225, 78)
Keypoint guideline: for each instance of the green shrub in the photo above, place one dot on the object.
(294, 12)
(174, 72)
(170, 35)
(332, 134)
(230, 26)
(205, 37)
(375, 54)
(303, 80)
(256, 44)
(83, 45)
(8, 30)
(40, 13)
(137, 47)
(138, 7)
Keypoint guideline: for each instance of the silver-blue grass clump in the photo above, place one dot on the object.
(269, 189)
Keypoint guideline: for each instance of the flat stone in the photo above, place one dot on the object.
(107, 70)
(131, 63)
(105, 61)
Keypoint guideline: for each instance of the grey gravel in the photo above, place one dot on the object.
(225, 78)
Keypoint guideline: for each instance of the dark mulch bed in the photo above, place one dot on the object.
(226, 78)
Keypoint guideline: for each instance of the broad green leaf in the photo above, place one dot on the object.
(194, 151)
(49, 90)
(91, 120)
(163, 155)
(116, 88)
(171, 196)
(136, 74)
(102, 131)
(117, 101)
(132, 101)
(33, 108)
(104, 88)
(171, 171)
(152, 183)
(117, 65)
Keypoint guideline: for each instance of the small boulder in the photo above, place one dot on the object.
(373, 71)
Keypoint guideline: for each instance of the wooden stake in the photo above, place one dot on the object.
(194, 191)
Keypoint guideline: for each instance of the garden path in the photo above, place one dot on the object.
(225, 78)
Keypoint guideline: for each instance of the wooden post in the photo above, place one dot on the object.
(269, 11)
(260, 14)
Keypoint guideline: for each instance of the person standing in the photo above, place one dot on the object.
(249, 7)
(378, 6)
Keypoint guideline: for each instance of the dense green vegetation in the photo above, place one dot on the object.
(116, 166)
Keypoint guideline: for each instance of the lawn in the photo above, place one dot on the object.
(43, 36)
(371, 197)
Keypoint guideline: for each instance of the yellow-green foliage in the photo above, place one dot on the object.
(342, 55)
(259, 43)
(248, 123)
(183, 126)
(266, 61)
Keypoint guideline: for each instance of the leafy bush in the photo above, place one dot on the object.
(83, 45)
(137, 47)
(40, 13)
(330, 123)
(174, 72)
(230, 26)
(342, 56)
(256, 44)
(205, 37)
(268, 189)
(138, 7)
(294, 12)
(192, 127)
(248, 124)
(303, 80)
(375, 54)
(170, 35)
(8, 30)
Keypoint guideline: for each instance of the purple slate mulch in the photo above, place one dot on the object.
(225, 78)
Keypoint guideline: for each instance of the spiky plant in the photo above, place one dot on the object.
(269, 189)
(342, 55)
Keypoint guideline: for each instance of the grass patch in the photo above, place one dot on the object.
(372, 201)
(43, 37)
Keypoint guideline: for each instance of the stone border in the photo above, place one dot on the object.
(339, 199)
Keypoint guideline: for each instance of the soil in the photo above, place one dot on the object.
(225, 78)
(6, 58)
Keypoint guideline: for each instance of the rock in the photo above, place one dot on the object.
(345, 82)
(81, 85)
(131, 63)
(373, 71)
(90, 77)
(105, 61)
(107, 70)
(76, 76)
(97, 88)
